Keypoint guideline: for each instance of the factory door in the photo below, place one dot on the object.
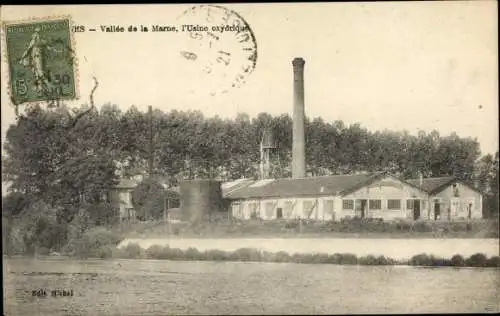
(416, 209)
(470, 207)
(328, 212)
(455, 210)
(288, 209)
(360, 208)
(279, 212)
(437, 210)
(363, 208)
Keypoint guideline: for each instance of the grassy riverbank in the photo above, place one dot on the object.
(352, 228)
(42, 237)
(103, 243)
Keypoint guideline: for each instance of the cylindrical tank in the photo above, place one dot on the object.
(268, 139)
(200, 199)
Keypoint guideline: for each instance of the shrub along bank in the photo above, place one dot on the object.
(134, 251)
(99, 242)
(35, 228)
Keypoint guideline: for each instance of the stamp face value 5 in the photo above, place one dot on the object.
(40, 60)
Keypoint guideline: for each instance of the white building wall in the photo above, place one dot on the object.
(456, 207)
(121, 199)
(384, 190)
(291, 208)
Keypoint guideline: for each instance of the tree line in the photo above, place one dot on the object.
(68, 165)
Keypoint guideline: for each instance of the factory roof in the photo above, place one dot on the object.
(432, 184)
(435, 185)
(326, 185)
(226, 187)
(311, 186)
(232, 186)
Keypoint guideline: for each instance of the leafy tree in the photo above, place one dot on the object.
(487, 181)
(148, 199)
(62, 166)
(14, 203)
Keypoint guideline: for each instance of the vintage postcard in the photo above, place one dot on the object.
(250, 159)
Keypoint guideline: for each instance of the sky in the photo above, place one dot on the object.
(387, 65)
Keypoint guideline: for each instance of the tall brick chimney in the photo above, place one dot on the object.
(299, 143)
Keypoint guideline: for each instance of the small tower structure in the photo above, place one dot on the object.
(267, 146)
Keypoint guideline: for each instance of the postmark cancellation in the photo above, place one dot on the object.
(220, 43)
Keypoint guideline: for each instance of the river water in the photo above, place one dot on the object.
(394, 248)
(151, 287)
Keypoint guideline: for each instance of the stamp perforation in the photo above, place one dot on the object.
(74, 57)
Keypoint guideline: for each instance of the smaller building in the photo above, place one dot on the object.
(120, 196)
(450, 198)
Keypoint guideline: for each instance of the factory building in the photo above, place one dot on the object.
(376, 195)
(368, 195)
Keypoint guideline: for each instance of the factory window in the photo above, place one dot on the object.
(328, 209)
(253, 209)
(130, 212)
(347, 204)
(375, 204)
(125, 197)
(394, 204)
(241, 210)
(409, 204)
(236, 209)
(269, 210)
(307, 208)
(288, 208)
(455, 205)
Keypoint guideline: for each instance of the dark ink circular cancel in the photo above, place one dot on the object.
(220, 43)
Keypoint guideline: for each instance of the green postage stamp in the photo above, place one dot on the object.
(41, 60)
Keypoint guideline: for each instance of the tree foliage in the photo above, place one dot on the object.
(75, 166)
(14, 203)
(47, 161)
(487, 180)
(148, 199)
